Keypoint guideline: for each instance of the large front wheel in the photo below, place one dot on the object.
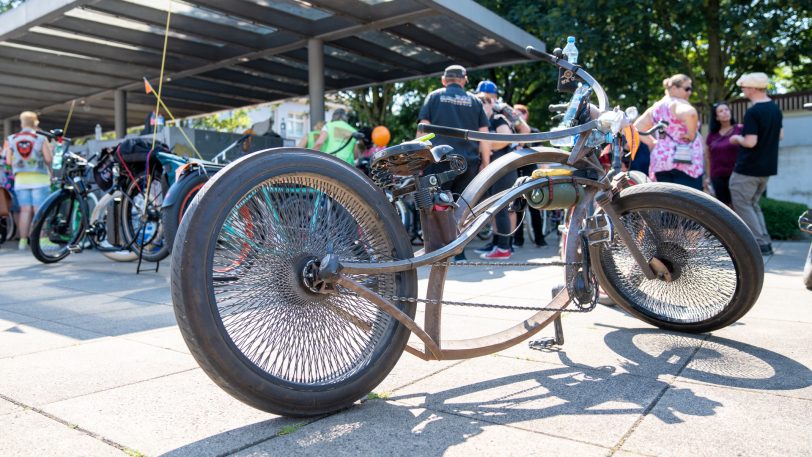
(240, 289)
(715, 266)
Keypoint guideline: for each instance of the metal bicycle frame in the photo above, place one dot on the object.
(434, 348)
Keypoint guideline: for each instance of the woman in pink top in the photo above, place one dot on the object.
(678, 155)
(720, 153)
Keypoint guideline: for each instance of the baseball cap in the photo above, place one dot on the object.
(756, 80)
(486, 86)
(454, 71)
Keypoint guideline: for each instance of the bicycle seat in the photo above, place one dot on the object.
(405, 159)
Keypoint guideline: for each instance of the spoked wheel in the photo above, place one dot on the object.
(713, 264)
(57, 225)
(7, 228)
(141, 218)
(102, 221)
(808, 269)
(243, 300)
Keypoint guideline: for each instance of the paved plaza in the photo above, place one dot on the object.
(92, 364)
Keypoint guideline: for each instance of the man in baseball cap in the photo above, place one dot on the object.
(758, 155)
(455, 71)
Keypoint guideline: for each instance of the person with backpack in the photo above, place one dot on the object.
(29, 156)
(336, 138)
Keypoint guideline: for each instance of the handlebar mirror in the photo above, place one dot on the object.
(632, 113)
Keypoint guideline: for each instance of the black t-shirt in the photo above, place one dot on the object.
(494, 122)
(765, 120)
(451, 106)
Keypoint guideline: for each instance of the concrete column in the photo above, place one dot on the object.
(315, 74)
(120, 108)
(6, 130)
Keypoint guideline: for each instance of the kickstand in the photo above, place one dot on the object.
(547, 344)
(142, 232)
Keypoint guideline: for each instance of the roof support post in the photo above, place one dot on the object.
(6, 129)
(120, 110)
(315, 74)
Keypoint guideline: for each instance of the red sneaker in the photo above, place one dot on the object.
(496, 254)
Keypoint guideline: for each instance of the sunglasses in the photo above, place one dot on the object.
(688, 89)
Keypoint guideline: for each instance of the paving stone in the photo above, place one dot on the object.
(49, 376)
(35, 336)
(70, 306)
(532, 396)
(7, 407)
(388, 428)
(700, 420)
(738, 356)
(166, 338)
(183, 414)
(127, 320)
(27, 433)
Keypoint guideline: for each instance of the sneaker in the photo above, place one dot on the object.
(541, 244)
(766, 249)
(485, 249)
(460, 257)
(518, 243)
(496, 254)
(23, 244)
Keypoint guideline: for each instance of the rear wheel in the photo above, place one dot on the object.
(808, 269)
(141, 218)
(715, 264)
(102, 219)
(241, 298)
(56, 226)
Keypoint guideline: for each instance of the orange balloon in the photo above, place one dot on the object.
(381, 136)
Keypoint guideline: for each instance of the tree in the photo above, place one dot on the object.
(8, 4)
(237, 121)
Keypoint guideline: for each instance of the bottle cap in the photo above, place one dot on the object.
(570, 39)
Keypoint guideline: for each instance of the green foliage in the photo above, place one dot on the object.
(288, 429)
(237, 122)
(781, 218)
(9, 4)
(378, 396)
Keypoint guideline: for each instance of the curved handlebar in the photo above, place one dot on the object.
(603, 100)
(474, 135)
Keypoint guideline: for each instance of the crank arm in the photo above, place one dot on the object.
(604, 199)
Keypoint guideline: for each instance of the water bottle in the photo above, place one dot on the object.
(569, 116)
(571, 51)
(98, 132)
(56, 162)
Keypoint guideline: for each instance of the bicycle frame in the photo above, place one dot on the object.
(469, 221)
(430, 335)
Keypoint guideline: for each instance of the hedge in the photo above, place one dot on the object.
(782, 218)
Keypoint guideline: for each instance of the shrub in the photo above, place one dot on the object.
(782, 218)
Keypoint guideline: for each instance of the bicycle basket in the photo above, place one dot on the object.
(136, 150)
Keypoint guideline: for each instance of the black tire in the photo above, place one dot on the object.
(7, 228)
(808, 269)
(186, 188)
(715, 261)
(151, 235)
(56, 226)
(237, 286)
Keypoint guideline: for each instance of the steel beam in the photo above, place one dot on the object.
(120, 106)
(315, 77)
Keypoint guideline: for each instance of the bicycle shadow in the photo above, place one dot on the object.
(554, 400)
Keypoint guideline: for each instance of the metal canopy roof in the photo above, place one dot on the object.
(228, 54)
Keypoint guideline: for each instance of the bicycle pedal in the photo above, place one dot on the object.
(543, 344)
(598, 229)
(75, 248)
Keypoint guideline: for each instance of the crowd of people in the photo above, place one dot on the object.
(734, 162)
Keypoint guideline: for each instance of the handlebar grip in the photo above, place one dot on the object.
(535, 52)
(444, 131)
(560, 108)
